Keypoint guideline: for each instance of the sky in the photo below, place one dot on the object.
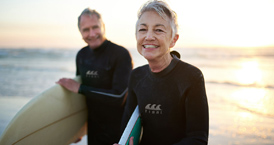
(202, 23)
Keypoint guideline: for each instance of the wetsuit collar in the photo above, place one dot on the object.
(168, 69)
(101, 47)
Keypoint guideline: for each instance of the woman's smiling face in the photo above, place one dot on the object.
(154, 36)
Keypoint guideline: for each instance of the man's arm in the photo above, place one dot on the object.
(120, 77)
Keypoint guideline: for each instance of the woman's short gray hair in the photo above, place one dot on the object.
(89, 12)
(163, 9)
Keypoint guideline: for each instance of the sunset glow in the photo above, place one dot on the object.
(249, 73)
(203, 24)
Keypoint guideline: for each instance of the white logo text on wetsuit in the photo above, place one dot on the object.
(92, 74)
(153, 109)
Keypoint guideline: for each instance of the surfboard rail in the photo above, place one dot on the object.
(133, 128)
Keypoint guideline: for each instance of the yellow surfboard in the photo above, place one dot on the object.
(56, 117)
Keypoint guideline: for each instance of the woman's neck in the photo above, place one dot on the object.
(159, 64)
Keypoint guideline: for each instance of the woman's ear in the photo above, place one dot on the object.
(174, 40)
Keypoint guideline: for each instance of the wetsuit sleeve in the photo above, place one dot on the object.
(123, 67)
(131, 103)
(197, 116)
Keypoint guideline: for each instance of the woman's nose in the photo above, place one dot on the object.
(150, 36)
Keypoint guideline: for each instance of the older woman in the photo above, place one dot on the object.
(170, 93)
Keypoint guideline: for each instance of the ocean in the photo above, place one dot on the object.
(239, 85)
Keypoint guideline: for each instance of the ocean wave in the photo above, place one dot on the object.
(240, 85)
(228, 53)
(37, 53)
(34, 68)
(252, 110)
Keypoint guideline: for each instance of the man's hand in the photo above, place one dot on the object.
(69, 84)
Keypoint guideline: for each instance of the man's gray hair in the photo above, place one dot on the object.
(89, 12)
(163, 9)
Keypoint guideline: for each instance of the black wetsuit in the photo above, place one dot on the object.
(173, 104)
(105, 73)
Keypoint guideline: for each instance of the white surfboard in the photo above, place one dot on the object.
(133, 128)
(56, 117)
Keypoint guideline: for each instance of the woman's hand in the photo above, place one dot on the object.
(130, 141)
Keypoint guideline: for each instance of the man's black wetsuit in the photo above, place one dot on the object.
(105, 73)
(173, 104)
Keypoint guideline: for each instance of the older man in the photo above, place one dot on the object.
(104, 68)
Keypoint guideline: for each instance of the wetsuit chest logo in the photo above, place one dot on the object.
(153, 109)
(92, 74)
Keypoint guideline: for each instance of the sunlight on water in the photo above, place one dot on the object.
(246, 123)
(252, 99)
(256, 98)
(248, 115)
(249, 73)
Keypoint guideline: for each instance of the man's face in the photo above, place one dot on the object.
(92, 30)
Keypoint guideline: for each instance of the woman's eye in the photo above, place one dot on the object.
(142, 29)
(159, 30)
